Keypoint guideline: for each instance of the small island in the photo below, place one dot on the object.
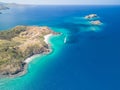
(91, 16)
(20, 43)
(96, 22)
(93, 19)
(3, 6)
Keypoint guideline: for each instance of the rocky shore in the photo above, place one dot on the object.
(93, 19)
(24, 66)
(19, 45)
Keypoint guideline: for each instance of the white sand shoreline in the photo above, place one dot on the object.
(46, 39)
(29, 59)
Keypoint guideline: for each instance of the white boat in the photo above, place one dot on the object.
(65, 39)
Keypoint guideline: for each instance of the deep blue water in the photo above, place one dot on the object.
(89, 61)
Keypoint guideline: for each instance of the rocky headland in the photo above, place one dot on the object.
(3, 6)
(20, 43)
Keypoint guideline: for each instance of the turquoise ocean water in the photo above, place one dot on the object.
(90, 58)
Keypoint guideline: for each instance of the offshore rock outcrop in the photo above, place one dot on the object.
(91, 16)
(96, 22)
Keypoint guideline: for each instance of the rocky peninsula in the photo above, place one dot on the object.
(3, 6)
(20, 43)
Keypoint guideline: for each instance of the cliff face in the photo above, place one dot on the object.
(18, 44)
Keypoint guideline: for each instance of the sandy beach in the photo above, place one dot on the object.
(46, 39)
(29, 59)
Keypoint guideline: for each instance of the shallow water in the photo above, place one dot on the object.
(89, 60)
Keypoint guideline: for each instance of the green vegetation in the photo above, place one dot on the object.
(19, 43)
(8, 34)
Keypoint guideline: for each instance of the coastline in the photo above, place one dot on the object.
(47, 37)
(27, 61)
(46, 40)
